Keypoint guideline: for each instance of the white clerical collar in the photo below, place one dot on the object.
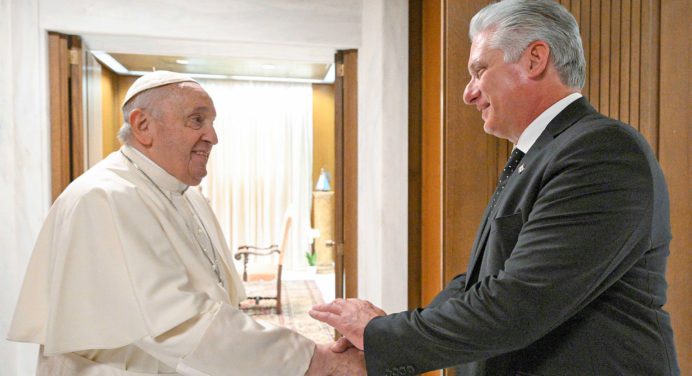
(159, 176)
(537, 126)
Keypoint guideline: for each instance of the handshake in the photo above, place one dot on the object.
(345, 356)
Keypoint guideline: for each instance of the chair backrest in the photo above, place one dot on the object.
(286, 229)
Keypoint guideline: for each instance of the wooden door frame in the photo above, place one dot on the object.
(346, 174)
(415, 151)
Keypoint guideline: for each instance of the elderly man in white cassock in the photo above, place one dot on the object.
(131, 275)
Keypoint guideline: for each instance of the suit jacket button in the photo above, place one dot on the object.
(410, 370)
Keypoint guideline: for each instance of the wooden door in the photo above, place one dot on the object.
(346, 174)
(66, 110)
(638, 62)
(674, 150)
(447, 146)
(75, 109)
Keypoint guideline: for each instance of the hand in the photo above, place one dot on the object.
(341, 345)
(350, 363)
(326, 362)
(348, 317)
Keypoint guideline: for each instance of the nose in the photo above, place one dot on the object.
(471, 92)
(210, 136)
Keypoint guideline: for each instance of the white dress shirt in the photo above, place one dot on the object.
(537, 126)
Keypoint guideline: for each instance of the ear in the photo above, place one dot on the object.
(140, 122)
(537, 55)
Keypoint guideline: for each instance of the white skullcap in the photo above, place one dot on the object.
(154, 79)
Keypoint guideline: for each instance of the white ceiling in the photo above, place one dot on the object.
(296, 36)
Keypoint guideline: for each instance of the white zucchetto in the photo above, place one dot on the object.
(155, 79)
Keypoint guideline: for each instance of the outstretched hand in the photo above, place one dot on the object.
(348, 317)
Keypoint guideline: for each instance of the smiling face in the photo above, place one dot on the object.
(182, 132)
(497, 89)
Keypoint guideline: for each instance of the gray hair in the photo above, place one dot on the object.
(515, 24)
(145, 100)
(125, 132)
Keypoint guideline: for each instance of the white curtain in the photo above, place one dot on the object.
(262, 165)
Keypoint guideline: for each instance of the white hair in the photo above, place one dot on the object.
(514, 24)
(145, 100)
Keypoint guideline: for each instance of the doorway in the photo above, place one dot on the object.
(91, 126)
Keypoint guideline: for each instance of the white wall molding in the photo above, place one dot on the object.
(24, 154)
(383, 155)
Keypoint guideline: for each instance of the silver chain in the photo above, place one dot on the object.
(212, 262)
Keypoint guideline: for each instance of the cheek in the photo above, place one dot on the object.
(489, 86)
(500, 92)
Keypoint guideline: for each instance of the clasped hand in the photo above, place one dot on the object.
(344, 357)
(326, 362)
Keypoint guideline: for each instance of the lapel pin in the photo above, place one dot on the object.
(521, 169)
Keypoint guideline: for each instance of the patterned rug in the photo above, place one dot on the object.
(297, 299)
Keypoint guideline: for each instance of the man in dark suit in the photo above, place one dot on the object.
(567, 273)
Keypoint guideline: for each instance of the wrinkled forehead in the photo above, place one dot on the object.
(192, 95)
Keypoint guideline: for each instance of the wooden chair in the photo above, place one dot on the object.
(260, 276)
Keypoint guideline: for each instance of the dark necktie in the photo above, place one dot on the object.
(511, 165)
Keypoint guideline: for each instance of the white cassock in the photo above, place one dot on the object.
(119, 284)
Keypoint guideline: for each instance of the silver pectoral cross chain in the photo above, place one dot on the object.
(213, 261)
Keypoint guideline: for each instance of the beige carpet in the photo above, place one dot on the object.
(298, 297)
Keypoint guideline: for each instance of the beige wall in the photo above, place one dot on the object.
(323, 130)
(113, 89)
(109, 87)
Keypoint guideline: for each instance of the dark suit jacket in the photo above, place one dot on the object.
(567, 275)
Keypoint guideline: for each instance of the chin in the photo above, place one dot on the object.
(197, 179)
(495, 132)
(489, 128)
